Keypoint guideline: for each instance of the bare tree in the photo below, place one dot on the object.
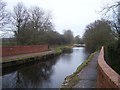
(4, 16)
(36, 17)
(20, 19)
(113, 11)
(47, 24)
(40, 20)
(31, 25)
(41, 23)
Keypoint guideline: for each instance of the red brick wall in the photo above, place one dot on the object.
(17, 50)
(107, 77)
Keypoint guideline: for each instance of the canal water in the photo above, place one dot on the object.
(45, 74)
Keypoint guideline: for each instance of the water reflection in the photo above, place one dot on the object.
(68, 51)
(48, 74)
(32, 76)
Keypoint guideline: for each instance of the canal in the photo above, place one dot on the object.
(44, 74)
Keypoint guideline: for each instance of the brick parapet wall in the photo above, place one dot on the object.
(18, 50)
(107, 77)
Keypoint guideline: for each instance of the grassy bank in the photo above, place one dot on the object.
(73, 79)
(62, 48)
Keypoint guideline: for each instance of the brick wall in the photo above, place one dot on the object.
(107, 77)
(17, 50)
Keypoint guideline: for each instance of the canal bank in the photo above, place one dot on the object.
(44, 74)
(85, 76)
(32, 57)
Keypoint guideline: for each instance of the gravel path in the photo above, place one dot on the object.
(88, 75)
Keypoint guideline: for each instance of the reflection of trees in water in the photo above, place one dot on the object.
(33, 76)
(68, 51)
(80, 50)
(66, 57)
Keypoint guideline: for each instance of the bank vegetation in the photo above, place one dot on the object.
(106, 32)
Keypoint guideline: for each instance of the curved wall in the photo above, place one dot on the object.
(107, 77)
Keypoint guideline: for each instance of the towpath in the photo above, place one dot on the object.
(88, 75)
(24, 56)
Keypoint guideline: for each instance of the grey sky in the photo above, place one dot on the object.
(67, 14)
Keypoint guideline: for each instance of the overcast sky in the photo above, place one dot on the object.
(67, 14)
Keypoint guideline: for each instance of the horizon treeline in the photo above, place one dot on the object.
(32, 26)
